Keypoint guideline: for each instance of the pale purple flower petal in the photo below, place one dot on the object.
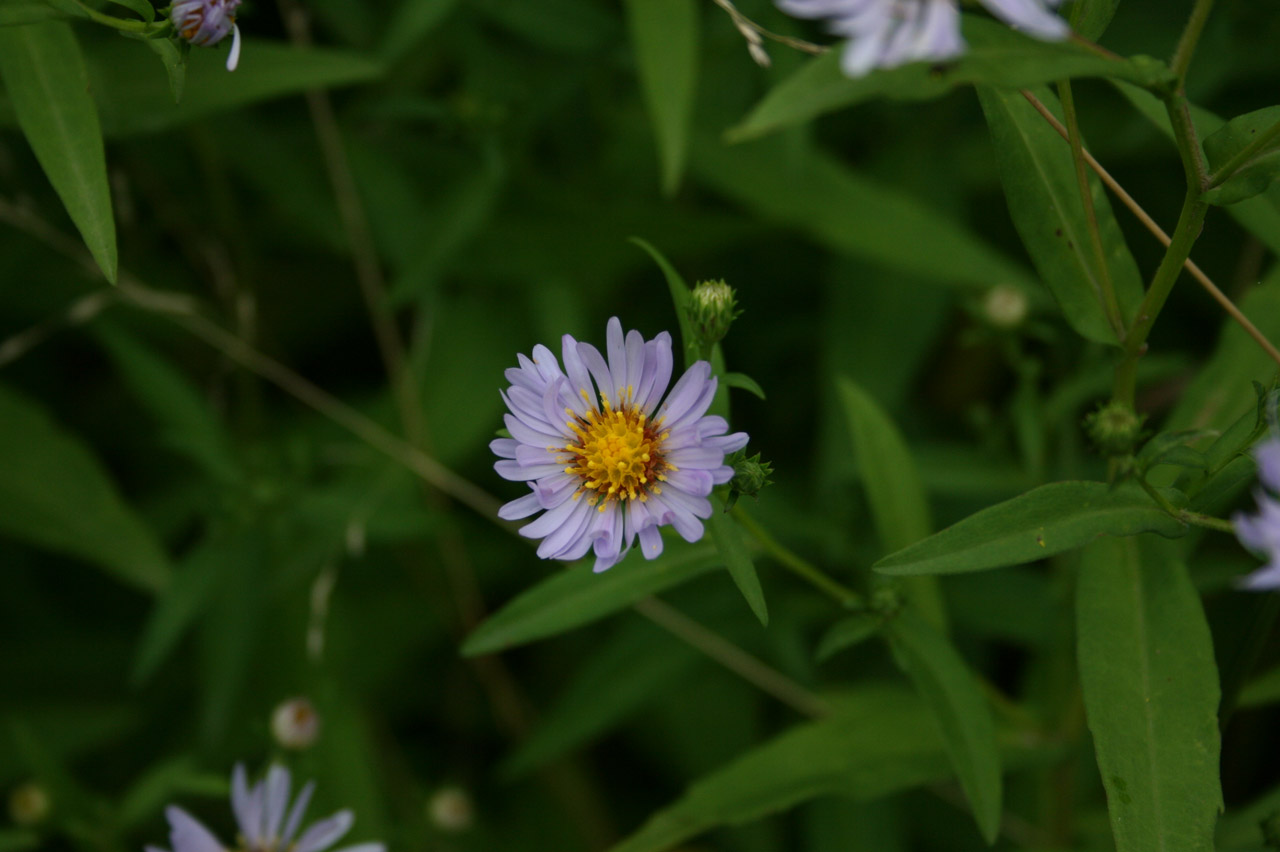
(1260, 534)
(630, 455)
(188, 834)
(1268, 456)
(325, 833)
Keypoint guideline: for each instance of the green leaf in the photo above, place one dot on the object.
(1151, 695)
(997, 56)
(576, 596)
(48, 86)
(55, 494)
(1262, 690)
(848, 632)
(744, 382)
(952, 693)
(16, 14)
(888, 472)
(163, 783)
(175, 63)
(1257, 171)
(142, 8)
(727, 537)
(878, 741)
(1040, 185)
(1043, 522)
(664, 35)
(17, 839)
(413, 20)
(849, 213)
(679, 299)
(132, 98)
(187, 422)
(1090, 18)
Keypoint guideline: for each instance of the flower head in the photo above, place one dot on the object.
(295, 723)
(207, 22)
(266, 821)
(889, 33)
(1260, 533)
(607, 457)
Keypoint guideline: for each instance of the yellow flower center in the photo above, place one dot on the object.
(618, 454)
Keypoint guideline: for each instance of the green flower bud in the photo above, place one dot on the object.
(712, 309)
(1114, 428)
(750, 475)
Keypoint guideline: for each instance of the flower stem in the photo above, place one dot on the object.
(1190, 38)
(841, 594)
(141, 27)
(1185, 515)
(1110, 303)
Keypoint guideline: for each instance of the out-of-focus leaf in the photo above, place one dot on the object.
(848, 632)
(1043, 522)
(576, 596)
(727, 537)
(679, 298)
(878, 741)
(664, 35)
(231, 633)
(889, 475)
(1044, 200)
(174, 59)
(569, 26)
(17, 839)
(1151, 695)
(1262, 690)
(620, 676)
(133, 98)
(949, 688)
(44, 75)
(1090, 18)
(188, 424)
(142, 8)
(744, 382)
(16, 14)
(1255, 174)
(413, 20)
(849, 213)
(997, 56)
(163, 783)
(55, 494)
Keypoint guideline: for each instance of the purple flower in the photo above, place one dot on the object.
(207, 22)
(266, 821)
(608, 459)
(889, 33)
(1260, 533)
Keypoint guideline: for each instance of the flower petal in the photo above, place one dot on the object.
(325, 833)
(521, 507)
(188, 834)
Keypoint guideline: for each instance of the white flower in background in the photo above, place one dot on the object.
(266, 821)
(1260, 533)
(295, 723)
(889, 33)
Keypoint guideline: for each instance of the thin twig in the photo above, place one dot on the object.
(729, 655)
(753, 32)
(1150, 224)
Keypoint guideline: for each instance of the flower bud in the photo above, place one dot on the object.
(451, 809)
(712, 309)
(1005, 306)
(750, 475)
(207, 22)
(29, 804)
(295, 723)
(1114, 428)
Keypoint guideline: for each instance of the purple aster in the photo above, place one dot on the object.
(889, 33)
(607, 458)
(266, 821)
(1260, 533)
(207, 22)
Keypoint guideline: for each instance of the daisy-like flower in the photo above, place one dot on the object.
(207, 22)
(889, 33)
(607, 458)
(266, 821)
(1260, 533)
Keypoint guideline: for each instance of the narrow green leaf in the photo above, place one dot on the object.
(848, 632)
(1043, 522)
(744, 382)
(16, 14)
(1151, 695)
(55, 494)
(174, 59)
(679, 299)
(163, 783)
(949, 688)
(727, 537)
(889, 475)
(575, 596)
(1044, 201)
(188, 423)
(48, 86)
(813, 192)
(877, 742)
(413, 20)
(630, 668)
(1090, 18)
(1262, 690)
(997, 56)
(1256, 173)
(142, 8)
(664, 35)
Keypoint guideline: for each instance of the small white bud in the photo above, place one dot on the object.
(295, 723)
(1005, 306)
(450, 809)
